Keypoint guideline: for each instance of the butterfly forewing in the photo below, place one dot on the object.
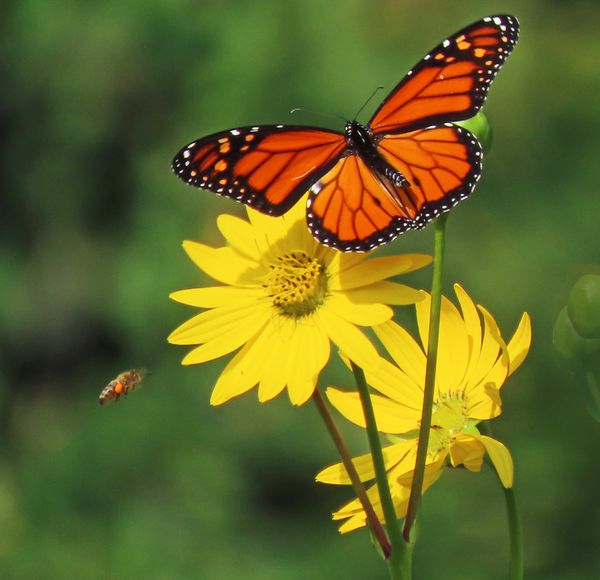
(452, 81)
(268, 167)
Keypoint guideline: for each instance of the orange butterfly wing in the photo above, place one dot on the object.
(452, 81)
(401, 171)
(268, 167)
(354, 208)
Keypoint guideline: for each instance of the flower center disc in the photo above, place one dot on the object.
(297, 284)
(448, 418)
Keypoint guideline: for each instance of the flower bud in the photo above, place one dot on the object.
(584, 306)
(569, 343)
(481, 128)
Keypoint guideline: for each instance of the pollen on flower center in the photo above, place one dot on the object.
(296, 283)
(449, 417)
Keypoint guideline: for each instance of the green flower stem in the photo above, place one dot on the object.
(359, 488)
(400, 559)
(416, 490)
(516, 534)
(515, 529)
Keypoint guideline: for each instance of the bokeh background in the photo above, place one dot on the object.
(96, 98)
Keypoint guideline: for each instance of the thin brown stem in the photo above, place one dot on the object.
(372, 520)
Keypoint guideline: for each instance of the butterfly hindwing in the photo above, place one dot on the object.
(267, 167)
(350, 209)
(355, 207)
(452, 81)
(442, 165)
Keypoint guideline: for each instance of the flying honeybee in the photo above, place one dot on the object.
(123, 384)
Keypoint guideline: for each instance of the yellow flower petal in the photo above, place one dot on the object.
(299, 351)
(453, 344)
(241, 318)
(223, 264)
(389, 415)
(348, 404)
(376, 269)
(404, 472)
(300, 390)
(389, 380)
(483, 398)
(268, 229)
(360, 314)
(214, 296)
(297, 213)
(337, 474)
(239, 235)
(467, 450)
(273, 378)
(386, 293)
(221, 345)
(354, 523)
(453, 350)
(244, 371)
(491, 347)
(298, 236)
(472, 325)
(340, 261)
(354, 511)
(500, 457)
(348, 338)
(519, 344)
(403, 349)
(304, 363)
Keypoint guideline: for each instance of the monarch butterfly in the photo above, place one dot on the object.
(375, 181)
(123, 384)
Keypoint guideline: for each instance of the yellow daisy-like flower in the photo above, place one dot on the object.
(284, 298)
(472, 365)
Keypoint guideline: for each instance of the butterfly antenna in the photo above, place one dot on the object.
(328, 115)
(377, 89)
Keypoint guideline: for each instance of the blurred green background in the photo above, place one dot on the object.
(96, 98)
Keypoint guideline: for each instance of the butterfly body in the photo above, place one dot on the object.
(362, 142)
(371, 182)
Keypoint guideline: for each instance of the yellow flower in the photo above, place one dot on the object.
(283, 298)
(472, 365)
